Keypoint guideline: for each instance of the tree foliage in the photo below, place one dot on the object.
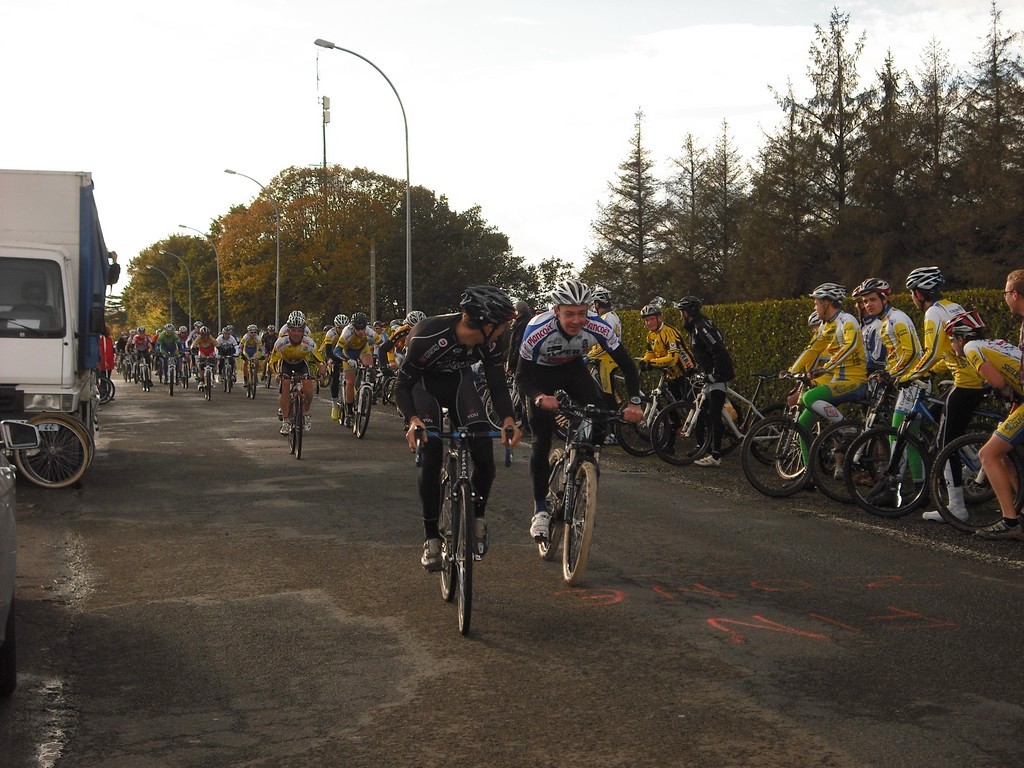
(334, 224)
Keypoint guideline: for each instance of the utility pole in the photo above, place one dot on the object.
(326, 102)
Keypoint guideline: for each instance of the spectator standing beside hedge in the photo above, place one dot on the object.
(712, 356)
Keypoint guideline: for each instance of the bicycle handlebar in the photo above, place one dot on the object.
(460, 434)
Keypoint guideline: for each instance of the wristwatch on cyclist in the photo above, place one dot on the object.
(536, 400)
(635, 401)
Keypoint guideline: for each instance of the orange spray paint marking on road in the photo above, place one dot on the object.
(597, 596)
(760, 622)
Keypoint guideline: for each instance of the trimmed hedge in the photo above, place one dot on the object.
(768, 335)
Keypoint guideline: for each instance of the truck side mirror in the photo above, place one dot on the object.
(19, 435)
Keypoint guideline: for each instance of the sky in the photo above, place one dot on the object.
(525, 108)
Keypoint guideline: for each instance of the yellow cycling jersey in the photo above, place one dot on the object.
(938, 356)
(598, 353)
(293, 354)
(251, 345)
(330, 339)
(839, 341)
(1004, 357)
(666, 349)
(902, 345)
(352, 340)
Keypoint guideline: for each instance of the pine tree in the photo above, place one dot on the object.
(989, 216)
(725, 189)
(627, 257)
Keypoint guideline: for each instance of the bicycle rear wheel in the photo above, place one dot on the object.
(63, 454)
(771, 457)
(979, 498)
(828, 452)
(579, 522)
(105, 389)
(364, 404)
(878, 474)
(669, 440)
(548, 549)
(465, 546)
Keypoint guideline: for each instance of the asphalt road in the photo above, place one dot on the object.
(206, 600)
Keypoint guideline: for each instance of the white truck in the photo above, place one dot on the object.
(54, 273)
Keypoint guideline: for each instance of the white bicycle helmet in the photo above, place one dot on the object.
(925, 279)
(414, 317)
(831, 291)
(296, 320)
(573, 293)
(340, 320)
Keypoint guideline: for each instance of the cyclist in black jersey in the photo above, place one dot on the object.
(551, 359)
(437, 372)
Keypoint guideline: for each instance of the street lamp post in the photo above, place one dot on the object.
(408, 189)
(170, 293)
(277, 279)
(216, 261)
(188, 272)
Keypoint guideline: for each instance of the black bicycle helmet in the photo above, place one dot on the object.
(689, 304)
(360, 320)
(651, 310)
(486, 304)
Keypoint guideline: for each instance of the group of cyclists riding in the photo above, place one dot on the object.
(574, 346)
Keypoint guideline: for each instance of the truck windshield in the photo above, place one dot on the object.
(31, 298)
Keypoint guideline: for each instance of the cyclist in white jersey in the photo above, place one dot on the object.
(551, 359)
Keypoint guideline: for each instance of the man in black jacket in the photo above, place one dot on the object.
(714, 359)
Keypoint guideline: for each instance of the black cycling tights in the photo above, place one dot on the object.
(581, 388)
(457, 392)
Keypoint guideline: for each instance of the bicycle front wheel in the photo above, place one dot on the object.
(579, 522)
(671, 441)
(208, 383)
(465, 546)
(979, 499)
(298, 427)
(364, 404)
(444, 526)
(635, 439)
(771, 457)
(828, 453)
(878, 473)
